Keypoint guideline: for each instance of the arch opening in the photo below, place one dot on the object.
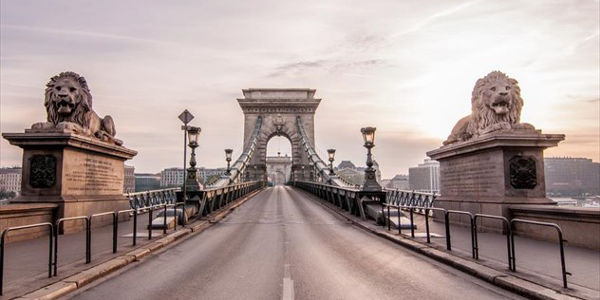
(278, 159)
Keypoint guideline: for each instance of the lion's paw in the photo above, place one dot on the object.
(42, 125)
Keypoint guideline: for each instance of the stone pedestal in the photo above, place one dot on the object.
(83, 175)
(488, 173)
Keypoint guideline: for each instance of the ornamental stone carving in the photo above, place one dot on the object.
(68, 103)
(495, 105)
(522, 172)
(42, 171)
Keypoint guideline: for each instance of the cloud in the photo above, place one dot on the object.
(407, 68)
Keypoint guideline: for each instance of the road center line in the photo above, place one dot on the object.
(288, 284)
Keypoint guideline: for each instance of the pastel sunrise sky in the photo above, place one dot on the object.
(406, 67)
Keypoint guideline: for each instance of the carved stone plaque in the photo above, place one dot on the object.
(42, 171)
(523, 174)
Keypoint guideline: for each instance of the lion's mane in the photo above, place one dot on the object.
(482, 115)
(82, 106)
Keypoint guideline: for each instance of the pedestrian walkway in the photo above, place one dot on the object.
(533, 257)
(26, 262)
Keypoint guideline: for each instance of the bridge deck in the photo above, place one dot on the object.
(279, 240)
(282, 245)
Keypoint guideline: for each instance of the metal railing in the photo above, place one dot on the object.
(409, 198)
(508, 235)
(88, 238)
(211, 200)
(3, 243)
(153, 197)
(345, 198)
(411, 201)
(560, 243)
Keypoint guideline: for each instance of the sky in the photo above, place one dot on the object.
(406, 67)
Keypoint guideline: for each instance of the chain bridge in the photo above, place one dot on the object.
(317, 237)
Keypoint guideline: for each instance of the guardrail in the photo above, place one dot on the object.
(153, 197)
(560, 243)
(211, 199)
(345, 198)
(3, 243)
(411, 201)
(409, 198)
(88, 233)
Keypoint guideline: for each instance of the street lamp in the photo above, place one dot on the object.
(371, 184)
(192, 182)
(331, 153)
(185, 117)
(228, 153)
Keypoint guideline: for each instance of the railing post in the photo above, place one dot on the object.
(150, 211)
(447, 222)
(427, 225)
(88, 246)
(56, 248)
(412, 223)
(49, 253)
(473, 238)
(2, 261)
(389, 223)
(165, 219)
(562, 258)
(115, 230)
(399, 220)
(175, 216)
(135, 213)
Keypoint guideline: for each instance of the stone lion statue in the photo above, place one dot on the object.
(68, 103)
(495, 104)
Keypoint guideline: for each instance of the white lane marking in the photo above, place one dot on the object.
(288, 284)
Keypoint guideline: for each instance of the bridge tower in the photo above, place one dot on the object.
(279, 109)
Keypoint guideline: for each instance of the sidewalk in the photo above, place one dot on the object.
(26, 262)
(532, 256)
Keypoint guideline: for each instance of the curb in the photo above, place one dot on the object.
(500, 279)
(79, 280)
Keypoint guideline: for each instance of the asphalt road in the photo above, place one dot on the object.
(284, 245)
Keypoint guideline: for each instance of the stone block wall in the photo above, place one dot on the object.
(12, 215)
(580, 226)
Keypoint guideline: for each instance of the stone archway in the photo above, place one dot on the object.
(279, 109)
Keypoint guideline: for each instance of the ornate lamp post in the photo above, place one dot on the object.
(185, 117)
(371, 184)
(192, 181)
(331, 153)
(228, 153)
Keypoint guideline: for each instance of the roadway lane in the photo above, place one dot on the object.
(283, 245)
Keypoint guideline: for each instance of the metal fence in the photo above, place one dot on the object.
(154, 197)
(411, 202)
(209, 200)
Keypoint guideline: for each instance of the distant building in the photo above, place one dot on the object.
(425, 177)
(346, 164)
(10, 180)
(146, 182)
(571, 176)
(399, 182)
(279, 169)
(348, 172)
(129, 179)
(210, 176)
(171, 177)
